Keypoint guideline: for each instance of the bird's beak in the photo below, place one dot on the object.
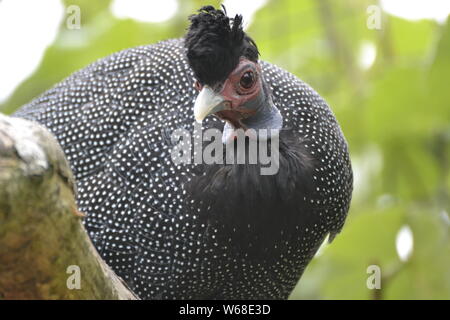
(208, 102)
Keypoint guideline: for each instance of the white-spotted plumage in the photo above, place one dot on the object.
(114, 120)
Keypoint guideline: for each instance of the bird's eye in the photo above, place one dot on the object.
(247, 80)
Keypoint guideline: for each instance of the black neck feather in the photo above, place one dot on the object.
(254, 209)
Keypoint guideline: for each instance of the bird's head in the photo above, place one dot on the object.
(228, 75)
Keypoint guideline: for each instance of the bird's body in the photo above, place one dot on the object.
(146, 214)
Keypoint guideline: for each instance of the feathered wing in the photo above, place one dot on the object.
(114, 119)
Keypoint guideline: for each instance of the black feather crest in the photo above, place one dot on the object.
(214, 44)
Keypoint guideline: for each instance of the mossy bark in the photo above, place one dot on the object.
(41, 234)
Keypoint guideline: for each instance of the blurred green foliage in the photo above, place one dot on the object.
(395, 115)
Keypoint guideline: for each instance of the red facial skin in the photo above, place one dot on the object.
(233, 92)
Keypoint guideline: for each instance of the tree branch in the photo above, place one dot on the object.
(41, 234)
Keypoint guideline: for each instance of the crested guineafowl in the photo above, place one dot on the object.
(197, 229)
